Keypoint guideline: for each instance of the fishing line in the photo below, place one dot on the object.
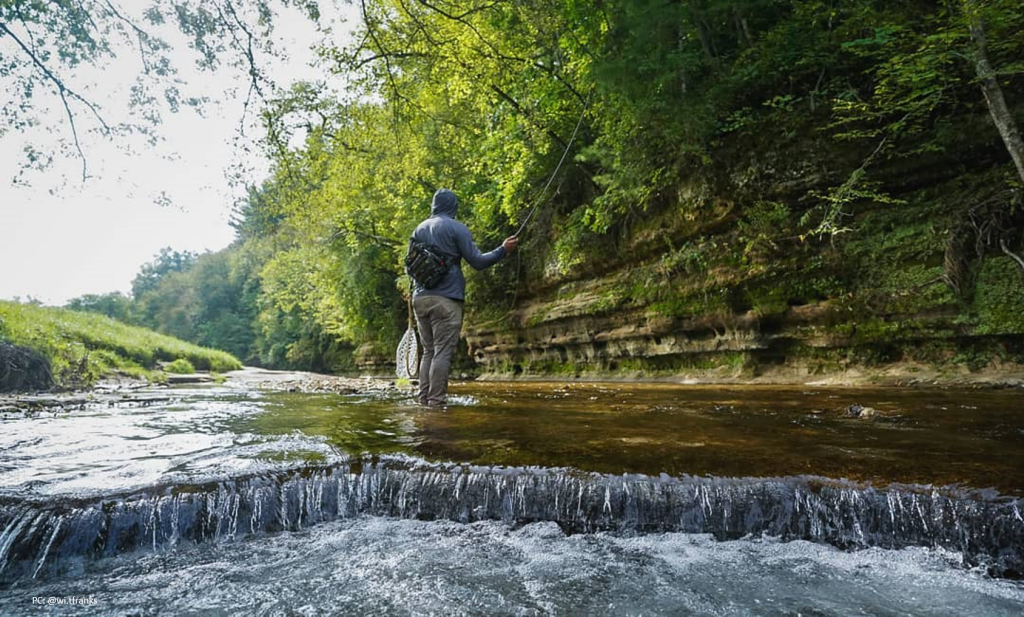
(543, 191)
(572, 138)
(406, 364)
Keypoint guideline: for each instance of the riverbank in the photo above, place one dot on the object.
(77, 350)
(303, 381)
(123, 390)
(906, 374)
(126, 391)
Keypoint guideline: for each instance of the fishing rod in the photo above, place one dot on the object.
(568, 146)
(406, 364)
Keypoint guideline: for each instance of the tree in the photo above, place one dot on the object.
(165, 263)
(43, 44)
(976, 13)
(115, 305)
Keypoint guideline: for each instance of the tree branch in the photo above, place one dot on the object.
(140, 34)
(384, 53)
(347, 229)
(247, 51)
(1011, 254)
(497, 53)
(419, 25)
(64, 93)
(461, 19)
(393, 54)
(515, 104)
(997, 107)
(74, 133)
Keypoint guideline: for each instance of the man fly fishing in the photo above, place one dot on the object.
(434, 262)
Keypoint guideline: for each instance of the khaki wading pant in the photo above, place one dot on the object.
(439, 320)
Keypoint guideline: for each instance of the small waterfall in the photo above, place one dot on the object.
(39, 539)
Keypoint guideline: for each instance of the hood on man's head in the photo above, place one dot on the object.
(445, 202)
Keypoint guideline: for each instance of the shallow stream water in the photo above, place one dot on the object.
(520, 498)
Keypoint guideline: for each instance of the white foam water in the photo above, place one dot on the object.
(379, 565)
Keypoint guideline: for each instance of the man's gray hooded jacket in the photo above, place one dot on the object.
(453, 239)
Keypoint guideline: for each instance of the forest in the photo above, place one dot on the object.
(745, 183)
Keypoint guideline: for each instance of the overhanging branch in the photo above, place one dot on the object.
(64, 93)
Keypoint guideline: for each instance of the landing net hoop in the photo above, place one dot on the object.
(407, 364)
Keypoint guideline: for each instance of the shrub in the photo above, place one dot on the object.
(180, 366)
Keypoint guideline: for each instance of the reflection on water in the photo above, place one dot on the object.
(939, 437)
(202, 482)
(970, 438)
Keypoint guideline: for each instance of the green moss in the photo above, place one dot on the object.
(886, 238)
(536, 319)
(694, 304)
(552, 368)
(775, 293)
(665, 366)
(999, 297)
(875, 330)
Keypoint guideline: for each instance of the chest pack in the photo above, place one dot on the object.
(426, 264)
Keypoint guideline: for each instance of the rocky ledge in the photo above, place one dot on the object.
(122, 391)
(300, 381)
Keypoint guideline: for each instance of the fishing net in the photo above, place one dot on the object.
(407, 357)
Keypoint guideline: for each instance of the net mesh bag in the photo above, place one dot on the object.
(407, 357)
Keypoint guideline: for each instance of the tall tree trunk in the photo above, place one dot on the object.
(741, 26)
(705, 38)
(1005, 122)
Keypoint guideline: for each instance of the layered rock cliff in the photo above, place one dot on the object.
(718, 284)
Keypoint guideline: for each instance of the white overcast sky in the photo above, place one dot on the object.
(61, 238)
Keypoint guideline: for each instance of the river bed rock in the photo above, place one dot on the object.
(120, 391)
(301, 381)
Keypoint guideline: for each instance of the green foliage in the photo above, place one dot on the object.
(999, 299)
(180, 366)
(206, 299)
(82, 347)
(167, 262)
(775, 293)
(50, 45)
(115, 305)
(897, 260)
(762, 224)
(772, 134)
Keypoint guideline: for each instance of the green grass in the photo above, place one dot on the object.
(83, 347)
(181, 366)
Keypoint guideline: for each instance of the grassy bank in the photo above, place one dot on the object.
(83, 347)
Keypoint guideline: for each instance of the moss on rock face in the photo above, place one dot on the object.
(999, 297)
(744, 292)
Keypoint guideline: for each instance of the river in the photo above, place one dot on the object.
(520, 498)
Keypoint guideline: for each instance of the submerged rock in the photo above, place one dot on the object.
(185, 378)
(860, 411)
